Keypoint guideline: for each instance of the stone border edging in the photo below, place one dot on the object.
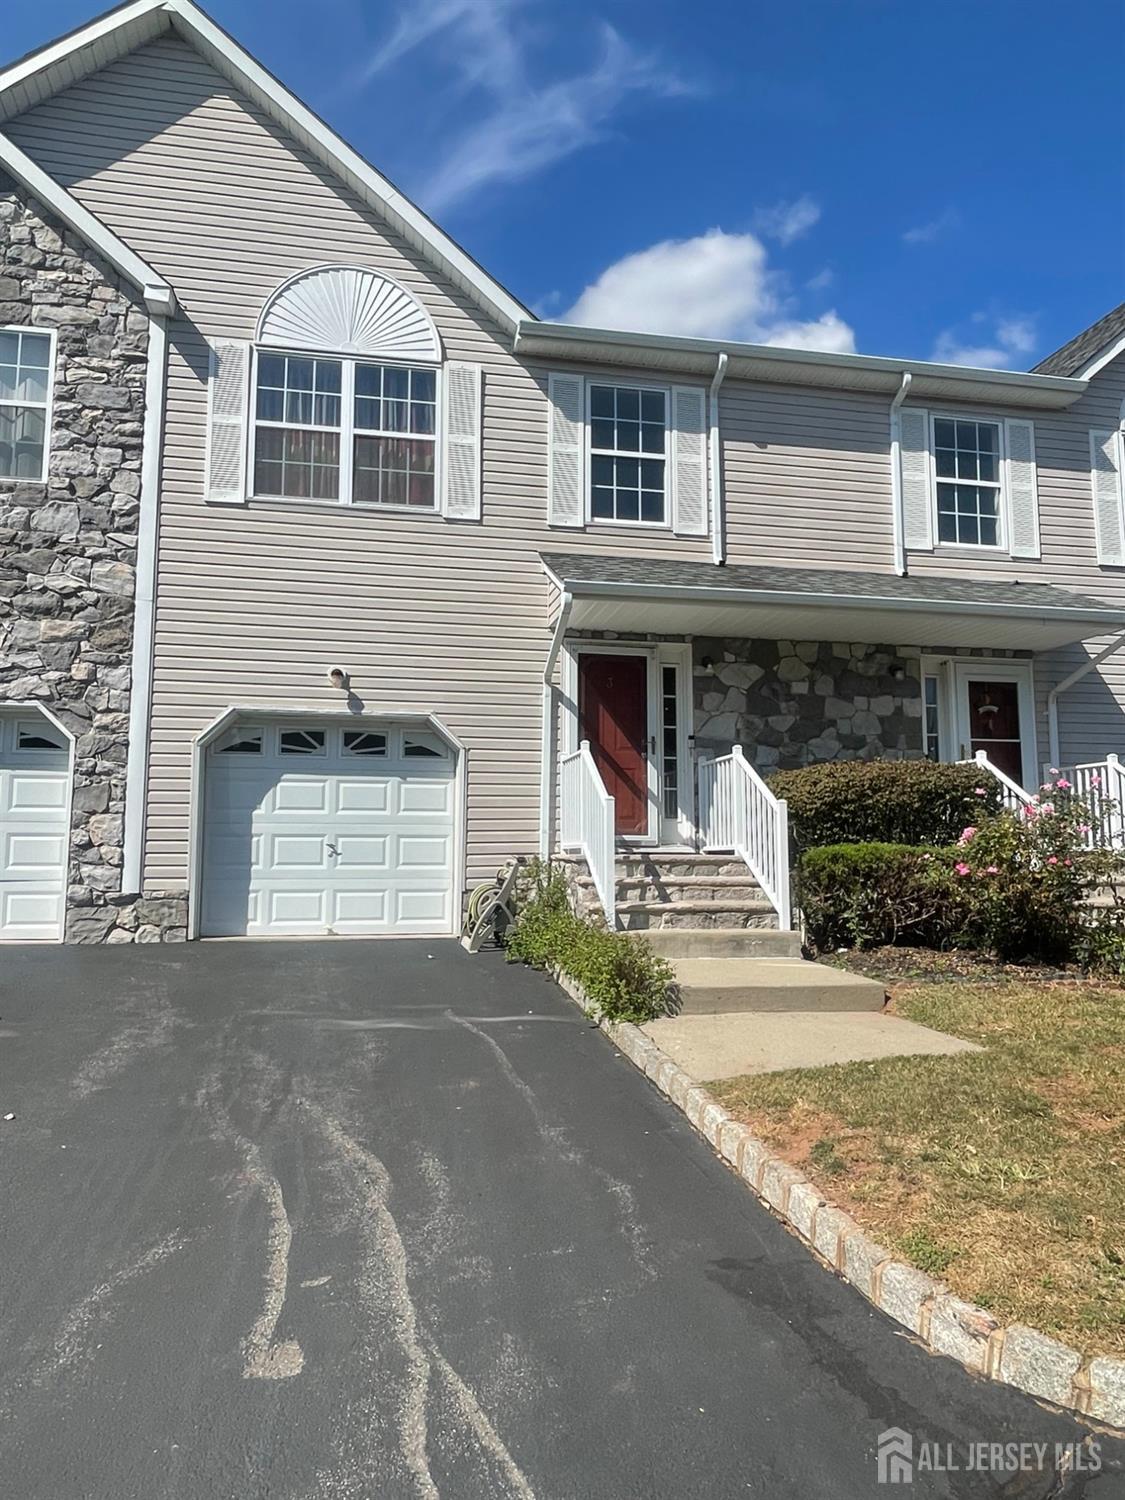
(1015, 1355)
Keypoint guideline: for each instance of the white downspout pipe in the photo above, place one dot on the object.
(1064, 686)
(715, 442)
(547, 755)
(899, 542)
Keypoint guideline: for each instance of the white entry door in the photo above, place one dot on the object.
(319, 829)
(34, 785)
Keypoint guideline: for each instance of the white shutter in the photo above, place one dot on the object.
(689, 460)
(914, 477)
(461, 458)
(1023, 492)
(1105, 478)
(566, 468)
(228, 400)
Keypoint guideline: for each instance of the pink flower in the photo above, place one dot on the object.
(993, 870)
(1046, 807)
(1054, 859)
(1052, 770)
(1063, 784)
(966, 836)
(1066, 861)
(962, 868)
(979, 791)
(1095, 779)
(1083, 828)
(1044, 786)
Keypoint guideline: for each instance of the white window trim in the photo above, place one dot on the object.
(346, 431)
(588, 453)
(47, 407)
(953, 674)
(1003, 528)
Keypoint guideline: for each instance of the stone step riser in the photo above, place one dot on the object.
(663, 918)
(630, 890)
(719, 942)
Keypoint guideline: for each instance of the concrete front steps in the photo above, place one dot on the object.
(681, 889)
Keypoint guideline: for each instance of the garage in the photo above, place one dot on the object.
(34, 806)
(328, 829)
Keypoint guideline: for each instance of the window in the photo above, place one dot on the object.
(38, 736)
(330, 429)
(25, 389)
(967, 465)
(670, 760)
(301, 742)
(240, 742)
(423, 745)
(364, 742)
(933, 720)
(628, 454)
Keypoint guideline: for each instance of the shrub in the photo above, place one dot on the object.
(1101, 947)
(884, 801)
(621, 976)
(866, 895)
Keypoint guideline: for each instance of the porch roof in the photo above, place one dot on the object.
(698, 598)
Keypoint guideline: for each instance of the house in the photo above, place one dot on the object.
(322, 557)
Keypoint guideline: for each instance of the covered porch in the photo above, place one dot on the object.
(673, 690)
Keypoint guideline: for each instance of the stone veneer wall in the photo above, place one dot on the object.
(68, 552)
(797, 703)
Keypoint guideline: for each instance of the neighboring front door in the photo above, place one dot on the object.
(993, 723)
(613, 716)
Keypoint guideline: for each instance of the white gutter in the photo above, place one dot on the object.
(899, 541)
(140, 682)
(718, 518)
(1064, 686)
(547, 734)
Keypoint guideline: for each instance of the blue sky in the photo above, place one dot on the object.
(935, 181)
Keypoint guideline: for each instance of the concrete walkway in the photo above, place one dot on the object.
(728, 1045)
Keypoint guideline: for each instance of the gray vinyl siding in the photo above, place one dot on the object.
(255, 604)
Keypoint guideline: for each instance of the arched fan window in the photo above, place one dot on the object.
(346, 392)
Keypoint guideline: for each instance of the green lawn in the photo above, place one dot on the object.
(1001, 1171)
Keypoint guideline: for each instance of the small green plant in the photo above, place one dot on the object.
(926, 1253)
(621, 977)
(1101, 944)
(824, 1156)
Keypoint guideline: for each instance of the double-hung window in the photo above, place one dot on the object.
(342, 430)
(25, 396)
(628, 454)
(967, 473)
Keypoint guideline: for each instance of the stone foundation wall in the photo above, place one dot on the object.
(68, 552)
(797, 703)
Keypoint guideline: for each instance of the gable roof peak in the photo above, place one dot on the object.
(114, 34)
(1088, 351)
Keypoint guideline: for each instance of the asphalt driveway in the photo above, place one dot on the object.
(364, 1220)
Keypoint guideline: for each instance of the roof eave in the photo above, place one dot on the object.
(798, 366)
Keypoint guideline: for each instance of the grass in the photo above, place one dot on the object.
(1003, 1171)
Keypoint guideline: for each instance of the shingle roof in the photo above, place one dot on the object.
(578, 568)
(1084, 346)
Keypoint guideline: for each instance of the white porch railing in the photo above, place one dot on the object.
(737, 811)
(1101, 785)
(1012, 795)
(586, 819)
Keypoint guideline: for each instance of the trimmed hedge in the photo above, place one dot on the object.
(621, 976)
(866, 895)
(918, 802)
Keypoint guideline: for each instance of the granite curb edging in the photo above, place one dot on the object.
(1014, 1354)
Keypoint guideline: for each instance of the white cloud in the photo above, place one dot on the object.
(1008, 348)
(822, 280)
(934, 229)
(716, 285)
(518, 126)
(788, 220)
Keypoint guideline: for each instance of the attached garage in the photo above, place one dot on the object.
(328, 828)
(34, 812)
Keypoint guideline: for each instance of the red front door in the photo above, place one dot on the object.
(994, 724)
(613, 716)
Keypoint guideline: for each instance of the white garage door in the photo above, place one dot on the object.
(321, 829)
(34, 778)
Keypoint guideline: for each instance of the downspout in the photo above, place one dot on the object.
(1064, 686)
(140, 681)
(718, 520)
(899, 542)
(547, 756)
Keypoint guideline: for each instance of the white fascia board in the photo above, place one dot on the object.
(54, 52)
(223, 51)
(159, 296)
(1104, 357)
(1013, 386)
(1103, 620)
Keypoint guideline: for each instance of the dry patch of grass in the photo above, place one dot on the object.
(1003, 1171)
